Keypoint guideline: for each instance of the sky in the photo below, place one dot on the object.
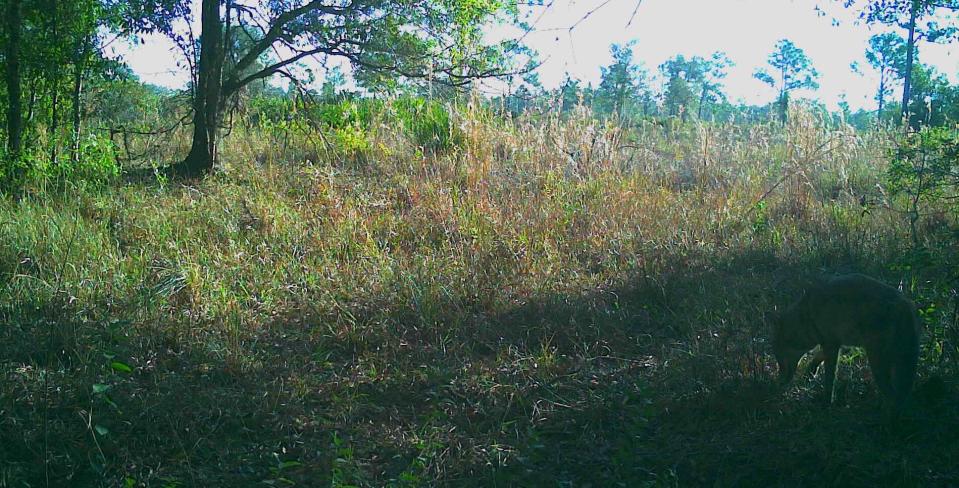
(746, 30)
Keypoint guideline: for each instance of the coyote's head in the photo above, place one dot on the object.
(787, 351)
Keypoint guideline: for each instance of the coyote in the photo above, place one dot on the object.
(852, 310)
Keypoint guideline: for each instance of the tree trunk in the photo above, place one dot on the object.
(207, 95)
(54, 119)
(79, 66)
(881, 96)
(14, 105)
(31, 109)
(783, 97)
(55, 92)
(702, 101)
(784, 106)
(910, 48)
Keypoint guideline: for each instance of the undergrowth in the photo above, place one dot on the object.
(550, 300)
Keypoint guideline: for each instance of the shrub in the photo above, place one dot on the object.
(428, 123)
(96, 164)
(925, 169)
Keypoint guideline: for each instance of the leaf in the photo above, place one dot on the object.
(101, 430)
(120, 367)
(111, 403)
(99, 388)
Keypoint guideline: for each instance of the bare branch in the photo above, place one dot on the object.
(278, 27)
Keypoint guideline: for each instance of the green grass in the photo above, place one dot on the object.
(547, 302)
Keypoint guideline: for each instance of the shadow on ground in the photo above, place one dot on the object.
(655, 381)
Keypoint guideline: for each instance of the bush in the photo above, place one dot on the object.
(925, 169)
(96, 164)
(265, 110)
(428, 123)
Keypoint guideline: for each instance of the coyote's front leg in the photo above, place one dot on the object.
(817, 360)
(831, 354)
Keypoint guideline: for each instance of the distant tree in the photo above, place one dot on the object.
(887, 54)
(333, 82)
(571, 93)
(128, 102)
(684, 77)
(714, 72)
(935, 102)
(920, 19)
(622, 83)
(792, 71)
(844, 109)
(526, 93)
(693, 83)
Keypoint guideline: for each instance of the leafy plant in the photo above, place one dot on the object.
(925, 168)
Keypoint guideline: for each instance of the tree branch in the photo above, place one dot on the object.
(277, 29)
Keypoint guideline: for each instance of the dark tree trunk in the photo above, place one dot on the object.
(79, 67)
(207, 95)
(12, 55)
(55, 92)
(54, 119)
(784, 97)
(910, 49)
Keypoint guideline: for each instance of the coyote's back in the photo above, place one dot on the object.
(853, 310)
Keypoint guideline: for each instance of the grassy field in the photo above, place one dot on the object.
(548, 301)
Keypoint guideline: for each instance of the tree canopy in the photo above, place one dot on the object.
(622, 82)
(792, 70)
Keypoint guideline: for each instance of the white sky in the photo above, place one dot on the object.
(746, 30)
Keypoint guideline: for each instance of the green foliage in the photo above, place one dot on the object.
(359, 113)
(96, 165)
(926, 166)
(683, 77)
(333, 82)
(265, 111)
(128, 103)
(622, 89)
(887, 55)
(572, 94)
(924, 175)
(792, 70)
(935, 102)
(927, 13)
(921, 21)
(693, 83)
(428, 123)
